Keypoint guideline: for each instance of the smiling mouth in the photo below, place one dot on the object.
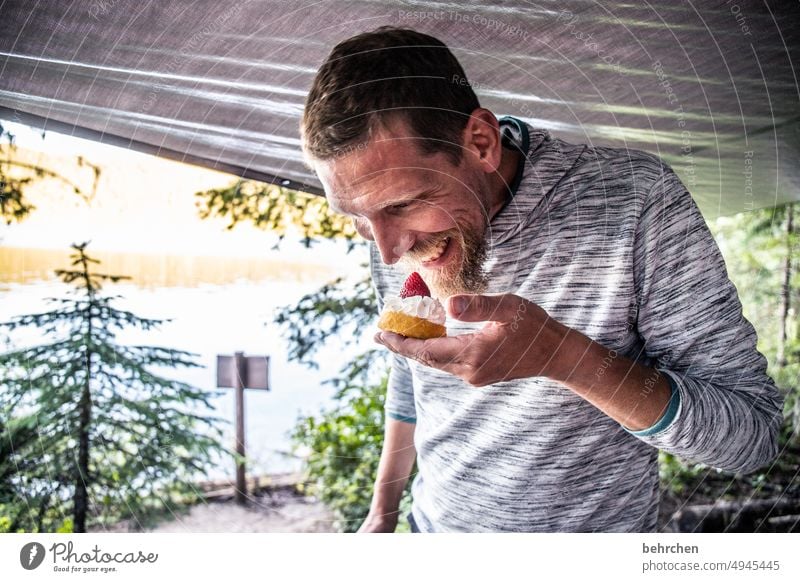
(437, 253)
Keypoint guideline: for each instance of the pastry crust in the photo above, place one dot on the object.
(410, 326)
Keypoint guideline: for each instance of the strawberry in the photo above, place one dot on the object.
(414, 285)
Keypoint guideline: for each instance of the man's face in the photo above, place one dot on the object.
(420, 209)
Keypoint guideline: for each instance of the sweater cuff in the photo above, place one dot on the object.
(668, 416)
(401, 418)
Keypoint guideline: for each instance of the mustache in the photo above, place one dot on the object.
(424, 248)
(467, 277)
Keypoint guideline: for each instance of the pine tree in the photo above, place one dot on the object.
(87, 428)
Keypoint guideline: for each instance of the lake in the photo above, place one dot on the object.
(217, 305)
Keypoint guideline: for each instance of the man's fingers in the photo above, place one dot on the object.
(446, 354)
(437, 353)
(485, 307)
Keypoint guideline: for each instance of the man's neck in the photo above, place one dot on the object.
(503, 179)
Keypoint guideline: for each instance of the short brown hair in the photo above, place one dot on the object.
(387, 72)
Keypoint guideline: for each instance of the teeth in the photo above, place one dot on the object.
(440, 247)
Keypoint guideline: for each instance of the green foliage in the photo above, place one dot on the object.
(276, 209)
(345, 443)
(334, 310)
(13, 205)
(17, 175)
(755, 246)
(677, 475)
(788, 379)
(342, 445)
(87, 427)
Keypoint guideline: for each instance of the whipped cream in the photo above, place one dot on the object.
(417, 306)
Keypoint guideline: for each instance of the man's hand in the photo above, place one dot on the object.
(520, 340)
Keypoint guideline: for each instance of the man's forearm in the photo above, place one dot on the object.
(634, 395)
(397, 460)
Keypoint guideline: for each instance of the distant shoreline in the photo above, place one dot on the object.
(150, 270)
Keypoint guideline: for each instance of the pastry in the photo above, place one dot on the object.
(414, 313)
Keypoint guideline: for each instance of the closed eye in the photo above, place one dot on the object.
(399, 206)
(363, 227)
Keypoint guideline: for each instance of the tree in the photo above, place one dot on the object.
(342, 445)
(335, 310)
(16, 175)
(276, 209)
(88, 427)
(759, 249)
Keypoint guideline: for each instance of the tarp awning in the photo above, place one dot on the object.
(709, 86)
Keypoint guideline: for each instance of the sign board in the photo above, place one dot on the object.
(253, 371)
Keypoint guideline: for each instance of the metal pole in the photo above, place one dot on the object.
(241, 484)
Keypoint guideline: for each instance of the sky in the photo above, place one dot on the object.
(144, 204)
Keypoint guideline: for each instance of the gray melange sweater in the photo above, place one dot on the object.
(608, 242)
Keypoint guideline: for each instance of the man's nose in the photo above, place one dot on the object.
(392, 242)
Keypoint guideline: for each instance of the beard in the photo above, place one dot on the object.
(466, 276)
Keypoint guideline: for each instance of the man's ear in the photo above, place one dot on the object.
(482, 139)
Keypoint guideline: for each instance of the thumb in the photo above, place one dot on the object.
(479, 307)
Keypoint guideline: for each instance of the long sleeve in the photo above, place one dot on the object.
(400, 392)
(690, 318)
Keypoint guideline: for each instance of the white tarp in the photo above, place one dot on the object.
(709, 86)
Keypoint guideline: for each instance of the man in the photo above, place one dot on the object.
(591, 319)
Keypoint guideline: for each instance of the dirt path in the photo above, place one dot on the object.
(279, 512)
(275, 506)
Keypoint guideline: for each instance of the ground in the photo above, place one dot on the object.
(278, 511)
(275, 505)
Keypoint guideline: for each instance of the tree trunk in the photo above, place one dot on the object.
(42, 510)
(81, 492)
(81, 499)
(768, 515)
(786, 288)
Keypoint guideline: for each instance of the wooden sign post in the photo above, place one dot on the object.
(240, 372)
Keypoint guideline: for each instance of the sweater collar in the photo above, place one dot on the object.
(545, 163)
